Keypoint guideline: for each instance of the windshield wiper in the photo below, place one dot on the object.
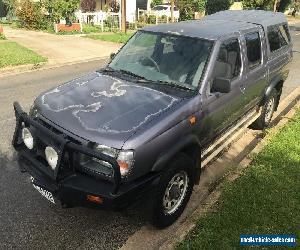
(142, 79)
(123, 71)
(175, 85)
(127, 72)
(164, 83)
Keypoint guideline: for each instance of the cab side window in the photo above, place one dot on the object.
(228, 63)
(278, 37)
(253, 45)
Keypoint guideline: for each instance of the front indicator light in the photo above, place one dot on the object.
(51, 157)
(125, 161)
(27, 138)
(95, 199)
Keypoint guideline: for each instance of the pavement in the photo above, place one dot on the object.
(61, 49)
(28, 221)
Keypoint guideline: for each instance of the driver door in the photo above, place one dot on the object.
(222, 109)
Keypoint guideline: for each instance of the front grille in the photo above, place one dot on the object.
(43, 141)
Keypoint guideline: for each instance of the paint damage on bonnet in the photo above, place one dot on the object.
(99, 107)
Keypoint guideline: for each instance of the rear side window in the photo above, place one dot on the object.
(278, 37)
(253, 49)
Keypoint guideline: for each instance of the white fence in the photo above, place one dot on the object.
(99, 18)
(112, 20)
(160, 16)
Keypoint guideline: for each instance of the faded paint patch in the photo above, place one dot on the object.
(106, 104)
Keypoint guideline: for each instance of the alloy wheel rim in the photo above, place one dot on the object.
(175, 192)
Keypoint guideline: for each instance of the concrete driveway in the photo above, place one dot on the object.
(61, 49)
(28, 221)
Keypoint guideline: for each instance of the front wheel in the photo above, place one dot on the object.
(267, 112)
(173, 192)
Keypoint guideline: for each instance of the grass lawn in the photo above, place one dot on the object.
(88, 28)
(264, 200)
(13, 54)
(112, 37)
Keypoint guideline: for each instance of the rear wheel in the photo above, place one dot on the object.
(267, 112)
(173, 192)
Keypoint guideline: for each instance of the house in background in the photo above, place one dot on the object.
(101, 5)
(143, 4)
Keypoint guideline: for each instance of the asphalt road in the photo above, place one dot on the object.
(27, 220)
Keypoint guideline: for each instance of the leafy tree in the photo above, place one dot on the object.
(9, 3)
(261, 4)
(156, 2)
(88, 5)
(10, 7)
(114, 5)
(61, 9)
(296, 6)
(283, 5)
(189, 7)
(214, 6)
(2, 9)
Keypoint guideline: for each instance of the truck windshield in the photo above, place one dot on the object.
(164, 58)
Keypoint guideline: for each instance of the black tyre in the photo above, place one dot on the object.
(267, 112)
(173, 191)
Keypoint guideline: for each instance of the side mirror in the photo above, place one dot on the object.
(112, 56)
(222, 85)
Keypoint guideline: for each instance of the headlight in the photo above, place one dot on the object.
(27, 138)
(107, 150)
(51, 157)
(125, 160)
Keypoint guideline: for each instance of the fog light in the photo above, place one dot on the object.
(27, 138)
(51, 157)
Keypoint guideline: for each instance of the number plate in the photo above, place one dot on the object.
(48, 195)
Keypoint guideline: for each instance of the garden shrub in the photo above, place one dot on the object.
(151, 19)
(2, 36)
(30, 15)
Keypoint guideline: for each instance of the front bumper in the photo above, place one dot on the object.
(66, 183)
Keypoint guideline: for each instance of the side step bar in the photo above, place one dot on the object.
(234, 132)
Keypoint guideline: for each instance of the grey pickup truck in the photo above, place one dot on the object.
(136, 128)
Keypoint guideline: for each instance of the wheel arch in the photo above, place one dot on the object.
(190, 146)
(277, 85)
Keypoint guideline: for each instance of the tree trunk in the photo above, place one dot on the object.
(172, 11)
(123, 13)
(276, 4)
